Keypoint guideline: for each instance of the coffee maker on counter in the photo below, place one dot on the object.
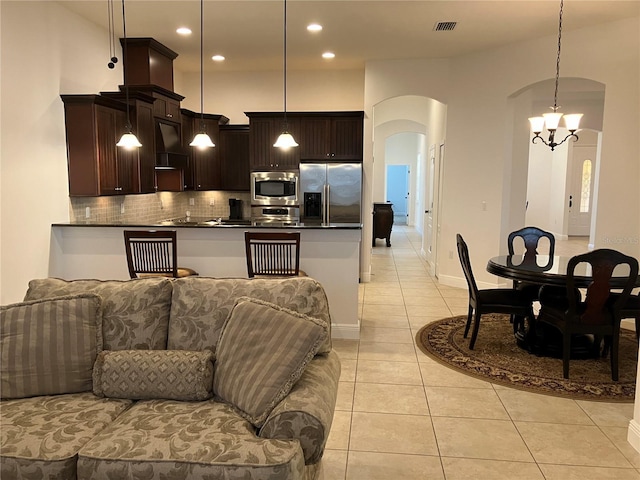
(235, 209)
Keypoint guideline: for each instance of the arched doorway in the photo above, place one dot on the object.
(555, 190)
(413, 125)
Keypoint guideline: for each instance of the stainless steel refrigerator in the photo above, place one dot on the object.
(331, 192)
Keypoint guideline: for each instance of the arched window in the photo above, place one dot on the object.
(585, 190)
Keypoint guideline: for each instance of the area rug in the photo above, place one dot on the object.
(497, 358)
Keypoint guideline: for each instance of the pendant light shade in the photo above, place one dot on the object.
(128, 139)
(285, 140)
(202, 140)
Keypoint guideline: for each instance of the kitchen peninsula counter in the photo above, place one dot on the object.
(225, 224)
(328, 253)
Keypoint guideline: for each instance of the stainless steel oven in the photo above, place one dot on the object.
(275, 215)
(275, 188)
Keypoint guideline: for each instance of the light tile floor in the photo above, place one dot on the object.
(400, 415)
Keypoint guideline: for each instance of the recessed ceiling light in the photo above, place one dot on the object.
(183, 31)
(217, 58)
(314, 27)
(328, 55)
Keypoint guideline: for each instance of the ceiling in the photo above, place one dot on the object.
(249, 33)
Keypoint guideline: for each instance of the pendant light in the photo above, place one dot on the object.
(551, 120)
(128, 139)
(285, 140)
(202, 140)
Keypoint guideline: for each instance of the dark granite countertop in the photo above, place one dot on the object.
(197, 222)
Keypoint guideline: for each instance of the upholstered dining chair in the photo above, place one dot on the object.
(493, 300)
(598, 313)
(153, 253)
(273, 254)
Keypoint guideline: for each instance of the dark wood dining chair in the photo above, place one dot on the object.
(493, 300)
(153, 253)
(273, 254)
(598, 313)
(531, 237)
(631, 309)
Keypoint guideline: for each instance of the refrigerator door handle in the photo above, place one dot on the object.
(327, 201)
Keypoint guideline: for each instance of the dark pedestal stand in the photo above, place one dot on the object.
(382, 222)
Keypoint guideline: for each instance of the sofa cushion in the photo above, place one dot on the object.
(147, 374)
(262, 352)
(201, 305)
(135, 312)
(40, 436)
(48, 347)
(172, 439)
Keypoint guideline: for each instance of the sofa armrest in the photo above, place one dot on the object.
(307, 412)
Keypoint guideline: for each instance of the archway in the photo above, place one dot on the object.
(413, 124)
(541, 183)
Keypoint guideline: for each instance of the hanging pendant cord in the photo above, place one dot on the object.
(555, 96)
(112, 47)
(124, 68)
(286, 126)
(201, 66)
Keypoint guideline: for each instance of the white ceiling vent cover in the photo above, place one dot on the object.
(444, 26)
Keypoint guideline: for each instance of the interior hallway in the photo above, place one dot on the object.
(401, 415)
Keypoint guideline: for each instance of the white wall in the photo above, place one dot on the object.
(46, 51)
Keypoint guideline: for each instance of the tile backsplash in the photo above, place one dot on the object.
(152, 207)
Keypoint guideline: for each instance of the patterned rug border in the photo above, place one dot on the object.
(612, 392)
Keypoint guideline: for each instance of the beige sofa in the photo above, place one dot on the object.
(78, 434)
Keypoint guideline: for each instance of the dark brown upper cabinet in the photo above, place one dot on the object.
(234, 157)
(322, 136)
(331, 136)
(94, 124)
(204, 170)
(148, 62)
(264, 129)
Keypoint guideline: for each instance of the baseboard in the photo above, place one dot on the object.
(346, 332)
(633, 434)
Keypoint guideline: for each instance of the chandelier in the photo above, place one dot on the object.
(552, 120)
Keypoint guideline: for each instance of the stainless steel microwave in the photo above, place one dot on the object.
(275, 188)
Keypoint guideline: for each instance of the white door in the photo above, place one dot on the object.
(398, 192)
(581, 190)
(428, 212)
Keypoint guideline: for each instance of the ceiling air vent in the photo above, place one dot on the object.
(444, 26)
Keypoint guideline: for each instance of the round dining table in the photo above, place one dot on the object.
(550, 270)
(546, 270)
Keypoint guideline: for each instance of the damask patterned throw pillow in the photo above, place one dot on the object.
(149, 374)
(262, 352)
(48, 347)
